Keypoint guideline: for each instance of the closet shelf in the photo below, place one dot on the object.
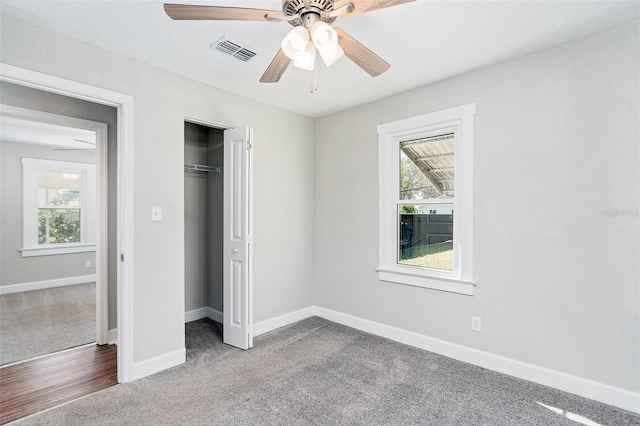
(202, 168)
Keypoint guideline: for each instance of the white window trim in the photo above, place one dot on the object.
(30, 169)
(460, 121)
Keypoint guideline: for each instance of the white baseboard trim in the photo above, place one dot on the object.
(286, 319)
(156, 364)
(40, 285)
(113, 336)
(576, 385)
(205, 312)
(195, 314)
(215, 315)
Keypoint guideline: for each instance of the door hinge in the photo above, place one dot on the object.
(249, 146)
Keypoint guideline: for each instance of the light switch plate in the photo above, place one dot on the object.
(156, 214)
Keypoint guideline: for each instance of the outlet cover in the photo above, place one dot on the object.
(476, 324)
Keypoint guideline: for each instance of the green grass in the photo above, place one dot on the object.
(435, 256)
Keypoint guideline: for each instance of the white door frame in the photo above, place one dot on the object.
(124, 105)
(101, 216)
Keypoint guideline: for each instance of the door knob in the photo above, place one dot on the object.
(235, 250)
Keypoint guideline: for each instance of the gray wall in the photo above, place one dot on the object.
(555, 131)
(556, 149)
(215, 212)
(203, 218)
(283, 171)
(17, 270)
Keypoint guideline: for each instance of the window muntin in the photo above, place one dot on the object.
(58, 207)
(426, 174)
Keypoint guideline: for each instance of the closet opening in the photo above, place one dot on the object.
(203, 217)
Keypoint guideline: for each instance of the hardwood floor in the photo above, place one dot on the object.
(46, 382)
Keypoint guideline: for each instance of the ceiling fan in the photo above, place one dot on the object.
(311, 33)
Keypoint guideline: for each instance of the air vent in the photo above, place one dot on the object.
(233, 48)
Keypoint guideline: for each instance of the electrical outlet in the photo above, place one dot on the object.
(87, 264)
(476, 324)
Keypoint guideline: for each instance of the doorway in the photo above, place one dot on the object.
(54, 282)
(218, 229)
(124, 217)
(203, 210)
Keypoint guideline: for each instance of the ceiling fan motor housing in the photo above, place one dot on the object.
(309, 11)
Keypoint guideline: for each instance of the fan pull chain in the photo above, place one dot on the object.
(314, 86)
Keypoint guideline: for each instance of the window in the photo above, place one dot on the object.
(59, 199)
(426, 200)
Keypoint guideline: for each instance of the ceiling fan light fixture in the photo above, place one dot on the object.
(307, 60)
(325, 39)
(295, 44)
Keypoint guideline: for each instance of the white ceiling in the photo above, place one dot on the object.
(18, 130)
(424, 42)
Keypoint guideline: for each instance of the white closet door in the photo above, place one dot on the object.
(237, 257)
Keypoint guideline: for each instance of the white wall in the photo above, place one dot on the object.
(556, 146)
(283, 172)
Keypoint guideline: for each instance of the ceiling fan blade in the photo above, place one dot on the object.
(276, 68)
(217, 13)
(373, 64)
(364, 6)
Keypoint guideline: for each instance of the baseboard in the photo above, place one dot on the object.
(576, 385)
(113, 336)
(195, 314)
(215, 315)
(154, 365)
(583, 387)
(205, 312)
(40, 285)
(286, 319)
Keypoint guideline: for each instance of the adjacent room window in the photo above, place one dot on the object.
(59, 199)
(426, 200)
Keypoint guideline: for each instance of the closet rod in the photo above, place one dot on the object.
(202, 168)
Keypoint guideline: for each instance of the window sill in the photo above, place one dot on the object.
(48, 251)
(432, 282)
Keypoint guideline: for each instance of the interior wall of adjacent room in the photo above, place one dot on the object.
(283, 179)
(15, 268)
(556, 151)
(32, 269)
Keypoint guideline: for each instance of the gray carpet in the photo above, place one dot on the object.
(40, 322)
(316, 372)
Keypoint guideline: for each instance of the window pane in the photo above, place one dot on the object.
(426, 235)
(426, 168)
(59, 189)
(58, 226)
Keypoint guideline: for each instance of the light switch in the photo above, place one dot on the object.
(156, 214)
